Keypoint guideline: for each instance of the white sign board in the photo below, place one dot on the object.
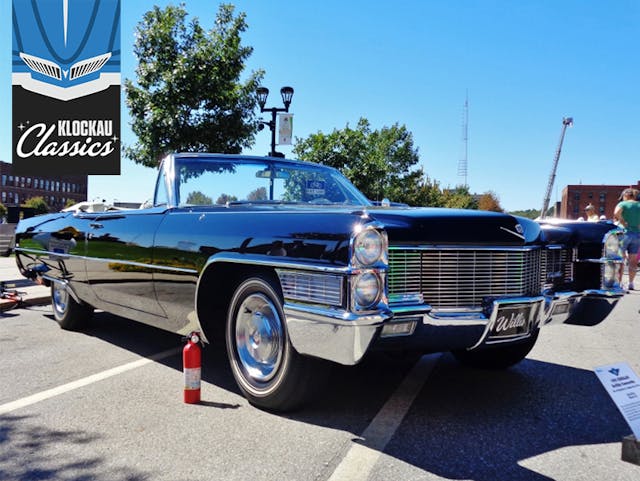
(285, 131)
(623, 385)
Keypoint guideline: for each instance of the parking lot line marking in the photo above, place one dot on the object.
(363, 455)
(85, 381)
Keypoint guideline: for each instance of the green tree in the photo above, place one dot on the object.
(490, 201)
(430, 193)
(381, 163)
(3, 211)
(38, 204)
(188, 94)
(258, 194)
(459, 198)
(528, 213)
(198, 198)
(224, 198)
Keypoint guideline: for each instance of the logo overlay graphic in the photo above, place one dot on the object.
(66, 87)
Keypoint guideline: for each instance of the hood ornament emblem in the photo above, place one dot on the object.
(518, 232)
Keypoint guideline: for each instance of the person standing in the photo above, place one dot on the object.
(592, 216)
(627, 214)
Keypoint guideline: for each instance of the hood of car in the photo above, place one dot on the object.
(455, 226)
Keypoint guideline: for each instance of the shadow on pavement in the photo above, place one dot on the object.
(34, 453)
(465, 424)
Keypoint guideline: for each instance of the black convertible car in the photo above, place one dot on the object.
(294, 267)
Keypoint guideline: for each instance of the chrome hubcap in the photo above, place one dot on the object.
(259, 337)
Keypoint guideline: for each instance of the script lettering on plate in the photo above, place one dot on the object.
(513, 320)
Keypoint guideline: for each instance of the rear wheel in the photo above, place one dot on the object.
(499, 356)
(269, 372)
(69, 314)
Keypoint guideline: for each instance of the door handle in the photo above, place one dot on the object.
(96, 225)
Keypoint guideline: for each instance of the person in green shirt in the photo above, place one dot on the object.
(627, 214)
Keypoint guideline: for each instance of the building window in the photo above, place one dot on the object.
(603, 196)
(576, 196)
(4, 180)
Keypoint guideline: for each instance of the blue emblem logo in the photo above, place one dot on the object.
(66, 49)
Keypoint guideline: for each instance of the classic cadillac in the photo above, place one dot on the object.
(294, 267)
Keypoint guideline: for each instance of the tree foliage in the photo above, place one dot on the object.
(224, 198)
(188, 94)
(381, 163)
(258, 194)
(38, 204)
(490, 201)
(458, 198)
(198, 198)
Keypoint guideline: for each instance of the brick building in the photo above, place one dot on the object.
(603, 197)
(56, 191)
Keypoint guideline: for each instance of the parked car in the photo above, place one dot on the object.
(295, 267)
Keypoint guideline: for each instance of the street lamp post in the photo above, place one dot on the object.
(263, 93)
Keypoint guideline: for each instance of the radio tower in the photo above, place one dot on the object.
(462, 163)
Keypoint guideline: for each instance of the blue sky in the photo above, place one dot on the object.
(524, 64)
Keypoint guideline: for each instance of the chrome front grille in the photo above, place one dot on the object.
(311, 287)
(462, 278)
(557, 266)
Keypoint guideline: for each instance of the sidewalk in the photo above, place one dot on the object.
(31, 293)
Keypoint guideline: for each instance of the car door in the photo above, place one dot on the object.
(120, 263)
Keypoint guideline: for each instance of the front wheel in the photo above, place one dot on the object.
(497, 357)
(69, 314)
(269, 372)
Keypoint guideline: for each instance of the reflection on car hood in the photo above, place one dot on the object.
(455, 226)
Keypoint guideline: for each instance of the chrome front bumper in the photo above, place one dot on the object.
(345, 337)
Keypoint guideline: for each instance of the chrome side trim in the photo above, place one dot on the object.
(108, 261)
(66, 286)
(275, 262)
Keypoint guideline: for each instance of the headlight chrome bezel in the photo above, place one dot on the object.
(612, 245)
(369, 247)
(367, 290)
(369, 258)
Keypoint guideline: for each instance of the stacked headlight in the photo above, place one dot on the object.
(612, 245)
(612, 257)
(369, 247)
(367, 289)
(369, 262)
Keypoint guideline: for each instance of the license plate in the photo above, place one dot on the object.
(512, 320)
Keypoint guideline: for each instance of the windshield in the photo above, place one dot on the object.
(204, 181)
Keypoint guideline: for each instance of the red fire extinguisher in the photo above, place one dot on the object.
(191, 361)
